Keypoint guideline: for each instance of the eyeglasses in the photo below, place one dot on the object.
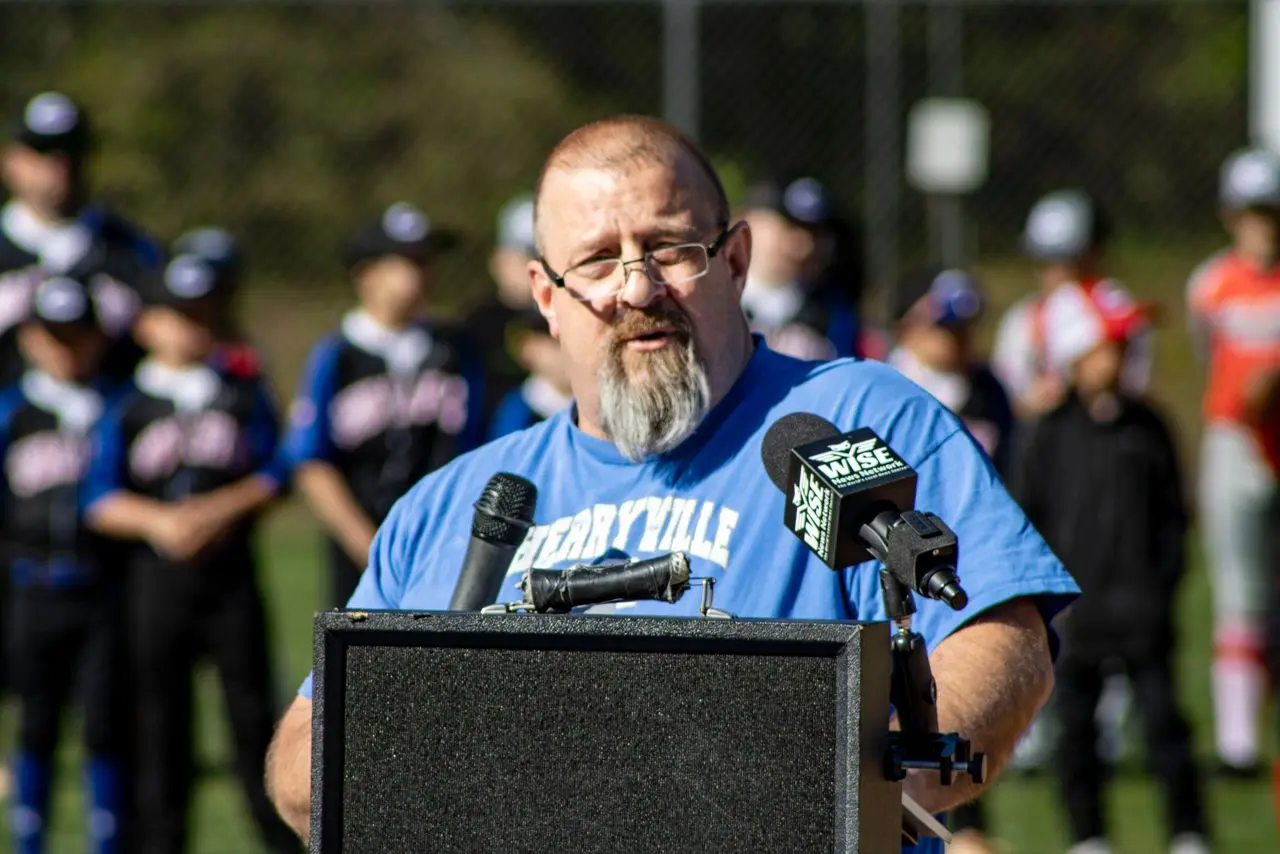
(600, 278)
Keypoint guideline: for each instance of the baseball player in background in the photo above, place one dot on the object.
(385, 399)
(1234, 308)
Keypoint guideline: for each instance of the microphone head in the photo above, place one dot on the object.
(791, 431)
(504, 512)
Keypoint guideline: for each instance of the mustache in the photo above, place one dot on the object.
(642, 321)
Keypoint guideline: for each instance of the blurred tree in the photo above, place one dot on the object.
(289, 124)
(289, 121)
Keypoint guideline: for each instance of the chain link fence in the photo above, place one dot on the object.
(288, 122)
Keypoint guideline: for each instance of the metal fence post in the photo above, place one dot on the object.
(946, 79)
(883, 143)
(681, 59)
(1264, 72)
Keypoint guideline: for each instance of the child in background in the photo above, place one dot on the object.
(219, 250)
(1067, 234)
(183, 466)
(385, 399)
(1234, 305)
(935, 311)
(66, 600)
(1098, 476)
(545, 390)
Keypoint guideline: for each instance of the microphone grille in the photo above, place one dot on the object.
(790, 431)
(507, 501)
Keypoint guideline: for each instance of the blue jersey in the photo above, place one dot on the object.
(712, 499)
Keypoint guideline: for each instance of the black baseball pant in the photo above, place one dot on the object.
(179, 614)
(61, 640)
(1082, 774)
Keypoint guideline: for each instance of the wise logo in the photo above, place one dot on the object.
(848, 463)
(813, 503)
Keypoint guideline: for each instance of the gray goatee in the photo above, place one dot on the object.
(661, 401)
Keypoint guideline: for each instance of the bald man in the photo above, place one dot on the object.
(640, 276)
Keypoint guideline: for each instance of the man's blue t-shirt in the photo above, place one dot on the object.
(712, 499)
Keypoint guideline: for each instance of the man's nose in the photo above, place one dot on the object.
(638, 289)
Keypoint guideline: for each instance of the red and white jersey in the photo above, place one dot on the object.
(1235, 314)
(1029, 343)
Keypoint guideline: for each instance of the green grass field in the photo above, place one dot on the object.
(1025, 811)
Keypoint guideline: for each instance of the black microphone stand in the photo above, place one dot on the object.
(918, 552)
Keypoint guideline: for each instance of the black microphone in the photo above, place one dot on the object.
(504, 515)
(850, 498)
(665, 578)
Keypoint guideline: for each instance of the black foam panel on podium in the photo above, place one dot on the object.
(532, 733)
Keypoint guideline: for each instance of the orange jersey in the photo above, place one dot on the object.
(1237, 309)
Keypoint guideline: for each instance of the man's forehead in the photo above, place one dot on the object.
(636, 194)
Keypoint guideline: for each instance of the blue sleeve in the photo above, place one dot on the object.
(511, 414)
(107, 466)
(473, 435)
(263, 434)
(382, 583)
(308, 437)
(1002, 556)
(148, 251)
(10, 400)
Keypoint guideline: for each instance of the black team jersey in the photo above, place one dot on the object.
(45, 448)
(184, 432)
(96, 247)
(386, 408)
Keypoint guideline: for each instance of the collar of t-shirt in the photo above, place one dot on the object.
(950, 389)
(544, 398)
(770, 305)
(404, 350)
(189, 389)
(58, 247)
(76, 406)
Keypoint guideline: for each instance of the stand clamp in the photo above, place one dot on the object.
(919, 554)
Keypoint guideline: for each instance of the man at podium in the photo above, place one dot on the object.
(640, 277)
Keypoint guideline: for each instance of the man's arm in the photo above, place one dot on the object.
(331, 500)
(993, 675)
(289, 767)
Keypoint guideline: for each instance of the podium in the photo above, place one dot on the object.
(467, 732)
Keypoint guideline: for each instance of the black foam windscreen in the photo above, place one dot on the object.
(790, 431)
(569, 740)
(504, 510)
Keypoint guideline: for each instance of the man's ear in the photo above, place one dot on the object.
(543, 295)
(738, 256)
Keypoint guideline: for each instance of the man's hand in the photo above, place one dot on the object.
(993, 675)
(289, 767)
